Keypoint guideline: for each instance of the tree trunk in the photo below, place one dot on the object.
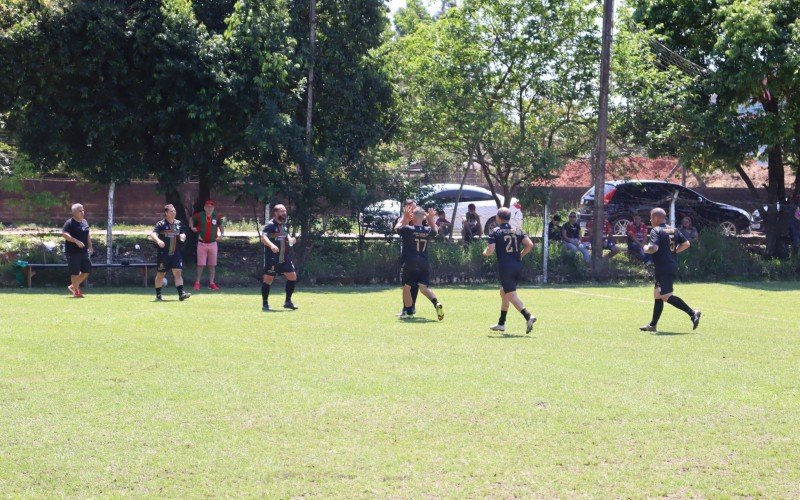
(458, 197)
(203, 190)
(173, 197)
(775, 221)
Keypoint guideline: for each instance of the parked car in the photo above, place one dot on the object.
(381, 216)
(624, 198)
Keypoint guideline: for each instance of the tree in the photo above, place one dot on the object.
(746, 102)
(504, 84)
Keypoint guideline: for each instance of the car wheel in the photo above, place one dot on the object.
(727, 228)
(490, 224)
(620, 227)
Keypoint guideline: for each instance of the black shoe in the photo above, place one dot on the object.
(696, 320)
(265, 308)
(159, 298)
(647, 328)
(183, 296)
(289, 305)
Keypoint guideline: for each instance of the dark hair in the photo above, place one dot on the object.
(169, 206)
(557, 217)
(504, 214)
(471, 206)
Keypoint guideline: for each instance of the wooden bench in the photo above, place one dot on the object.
(143, 267)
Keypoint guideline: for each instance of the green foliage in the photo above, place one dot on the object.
(505, 84)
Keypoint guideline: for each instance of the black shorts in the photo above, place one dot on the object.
(79, 263)
(417, 274)
(665, 281)
(168, 262)
(272, 267)
(509, 277)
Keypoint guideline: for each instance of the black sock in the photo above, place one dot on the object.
(409, 310)
(158, 292)
(264, 294)
(502, 320)
(435, 301)
(414, 293)
(680, 304)
(290, 290)
(658, 308)
(525, 314)
(180, 289)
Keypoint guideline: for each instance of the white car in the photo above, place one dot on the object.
(384, 214)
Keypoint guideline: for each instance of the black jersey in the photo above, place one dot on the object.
(507, 243)
(573, 230)
(667, 239)
(415, 243)
(79, 231)
(278, 234)
(169, 233)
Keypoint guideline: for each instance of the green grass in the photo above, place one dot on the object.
(117, 395)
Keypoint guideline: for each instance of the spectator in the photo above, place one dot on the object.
(554, 228)
(637, 237)
(688, 230)
(471, 225)
(571, 237)
(608, 233)
(442, 224)
(208, 226)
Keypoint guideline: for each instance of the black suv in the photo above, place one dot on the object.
(625, 198)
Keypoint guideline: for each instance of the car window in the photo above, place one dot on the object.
(657, 193)
(469, 195)
(688, 195)
(446, 196)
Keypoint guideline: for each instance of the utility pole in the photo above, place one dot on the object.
(602, 138)
(312, 42)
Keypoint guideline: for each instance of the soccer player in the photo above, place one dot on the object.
(208, 226)
(664, 244)
(511, 246)
(416, 269)
(278, 257)
(414, 288)
(78, 247)
(169, 235)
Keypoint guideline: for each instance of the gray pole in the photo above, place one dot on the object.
(602, 138)
(546, 239)
(110, 225)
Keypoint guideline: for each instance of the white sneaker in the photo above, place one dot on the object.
(498, 328)
(529, 325)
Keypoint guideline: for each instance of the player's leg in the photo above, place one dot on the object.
(670, 298)
(211, 262)
(291, 281)
(424, 281)
(266, 283)
(414, 294)
(504, 303)
(159, 282)
(202, 259)
(177, 273)
(530, 319)
(407, 302)
(658, 308)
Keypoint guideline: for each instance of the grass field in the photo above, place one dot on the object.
(117, 395)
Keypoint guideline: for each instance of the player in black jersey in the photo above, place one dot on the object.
(416, 269)
(510, 245)
(414, 288)
(664, 244)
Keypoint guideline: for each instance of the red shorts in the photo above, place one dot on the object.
(206, 254)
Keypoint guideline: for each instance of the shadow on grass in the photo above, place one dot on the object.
(508, 336)
(672, 334)
(417, 320)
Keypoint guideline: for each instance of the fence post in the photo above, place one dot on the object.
(546, 239)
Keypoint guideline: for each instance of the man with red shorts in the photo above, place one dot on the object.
(208, 226)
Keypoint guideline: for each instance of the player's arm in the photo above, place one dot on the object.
(155, 239)
(431, 216)
(69, 238)
(683, 246)
(652, 243)
(89, 247)
(527, 246)
(682, 242)
(265, 241)
(220, 228)
(194, 228)
(405, 218)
